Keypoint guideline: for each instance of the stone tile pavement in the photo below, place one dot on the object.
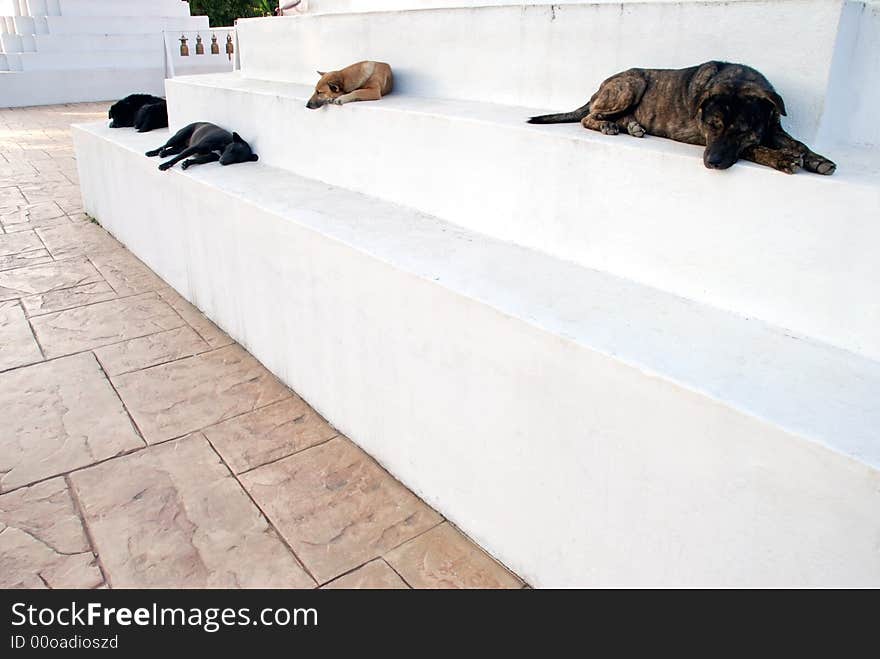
(140, 446)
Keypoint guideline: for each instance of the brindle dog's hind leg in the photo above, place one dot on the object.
(813, 162)
(783, 161)
(631, 125)
(606, 127)
(611, 107)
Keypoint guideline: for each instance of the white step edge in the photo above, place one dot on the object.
(796, 251)
(586, 430)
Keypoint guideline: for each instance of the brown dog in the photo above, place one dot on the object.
(730, 109)
(364, 81)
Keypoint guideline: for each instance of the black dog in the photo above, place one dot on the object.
(731, 109)
(208, 143)
(151, 117)
(127, 112)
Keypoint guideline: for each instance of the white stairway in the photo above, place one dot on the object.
(606, 363)
(60, 51)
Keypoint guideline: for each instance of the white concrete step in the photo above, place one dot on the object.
(797, 251)
(121, 24)
(4, 63)
(93, 59)
(14, 43)
(86, 25)
(13, 61)
(556, 55)
(67, 43)
(586, 429)
(25, 88)
(134, 8)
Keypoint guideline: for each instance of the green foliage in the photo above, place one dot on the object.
(224, 12)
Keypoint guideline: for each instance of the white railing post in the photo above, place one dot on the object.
(169, 57)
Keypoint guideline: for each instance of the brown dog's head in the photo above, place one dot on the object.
(328, 89)
(735, 112)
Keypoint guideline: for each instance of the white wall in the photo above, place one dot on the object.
(854, 93)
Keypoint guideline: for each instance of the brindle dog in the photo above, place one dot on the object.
(731, 109)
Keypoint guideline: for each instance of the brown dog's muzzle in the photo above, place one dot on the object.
(315, 102)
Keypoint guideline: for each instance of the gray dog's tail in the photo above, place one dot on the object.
(563, 117)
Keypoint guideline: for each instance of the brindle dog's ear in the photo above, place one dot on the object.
(700, 88)
(759, 91)
(776, 100)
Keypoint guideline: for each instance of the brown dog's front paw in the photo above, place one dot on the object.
(635, 129)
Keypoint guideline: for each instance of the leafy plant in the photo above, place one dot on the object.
(224, 12)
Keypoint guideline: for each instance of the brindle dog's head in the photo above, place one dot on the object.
(328, 89)
(735, 112)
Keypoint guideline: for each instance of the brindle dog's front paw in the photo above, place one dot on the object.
(609, 128)
(789, 162)
(816, 163)
(635, 129)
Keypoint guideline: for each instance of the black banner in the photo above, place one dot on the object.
(543, 621)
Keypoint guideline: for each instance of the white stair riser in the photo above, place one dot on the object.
(556, 56)
(25, 88)
(135, 8)
(732, 239)
(108, 25)
(93, 60)
(122, 24)
(11, 43)
(68, 43)
(571, 467)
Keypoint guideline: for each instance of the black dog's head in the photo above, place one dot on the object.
(122, 113)
(152, 116)
(735, 113)
(237, 151)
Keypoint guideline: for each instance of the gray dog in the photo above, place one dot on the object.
(730, 109)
